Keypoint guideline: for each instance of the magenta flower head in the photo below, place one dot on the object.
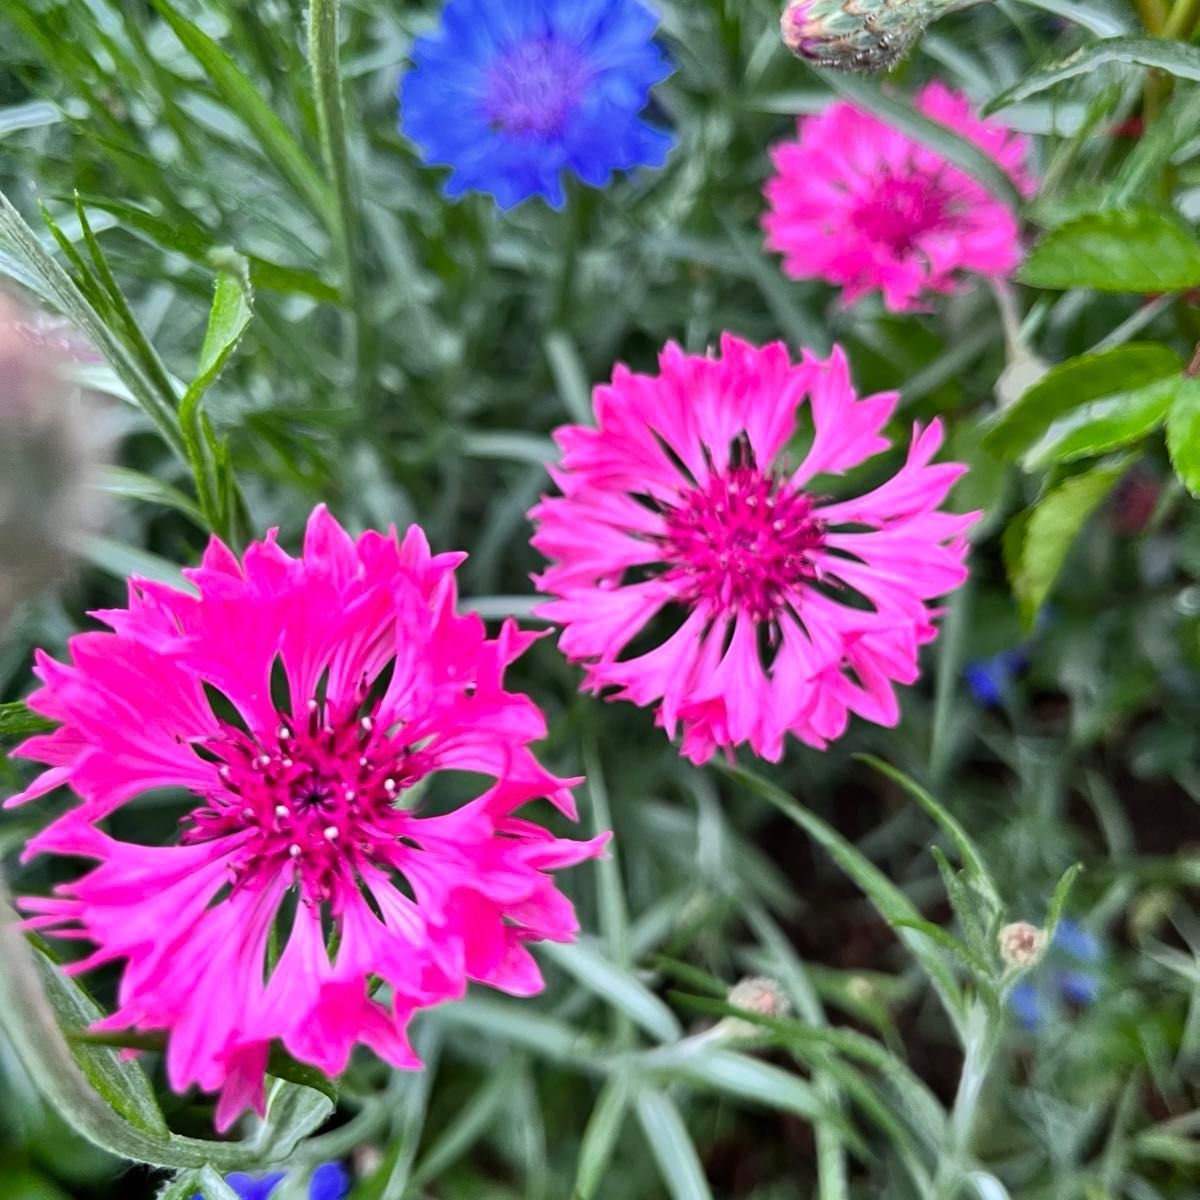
(304, 706)
(793, 610)
(865, 207)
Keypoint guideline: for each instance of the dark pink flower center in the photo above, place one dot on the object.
(742, 541)
(535, 87)
(317, 797)
(900, 209)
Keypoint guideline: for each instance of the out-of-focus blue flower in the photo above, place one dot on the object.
(330, 1181)
(513, 93)
(989, 679)
(1062, 975)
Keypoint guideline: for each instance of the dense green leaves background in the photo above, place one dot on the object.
(288, 311)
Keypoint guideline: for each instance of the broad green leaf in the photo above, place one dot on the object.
(1050, 530)
(18, 720)
(1183, 434)
(1130, 250)
(1108, 378)
(1175, 58)
(274, 138)
(615, 986)
(600, 1136)
(678, 1162)
(121, 1081)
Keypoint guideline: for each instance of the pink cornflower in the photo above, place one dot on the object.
(793, 610)
(302, 704)
(861, 205)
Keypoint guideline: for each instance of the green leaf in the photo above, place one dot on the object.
(678, 1162)
(893, 905)
(133, 485)
(18, 720)
(1047, 533)
(1183, 434)
(600, 1136)
(1171, 129)
(1099, 385)
(1058, 902)
(616, 987)
(969, 854)
(1175, 58)
(1132, 250)
(121, 561)
(227, 320)
(274, 139)
(121, 1081)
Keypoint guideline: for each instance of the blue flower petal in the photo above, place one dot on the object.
(1027, 1005)
(330, 1181)
(511, 94)
(1080, 987)
(1075, 941)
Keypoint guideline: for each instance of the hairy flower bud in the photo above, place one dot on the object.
(1021, 944)
(859, 35)
(755, 994)
(45, 459)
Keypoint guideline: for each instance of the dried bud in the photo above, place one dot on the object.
(45, 460)
(1022, 944)
(859, 35)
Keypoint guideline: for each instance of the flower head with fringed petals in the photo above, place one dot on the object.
(513, 94)
(865, 207)
(300, 703)
(795, 609)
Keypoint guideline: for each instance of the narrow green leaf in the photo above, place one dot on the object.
(968, 852)
(1067, 386)
(569, 376)
(600, 1136)
(133, 485)
(1128, 250)
(616, 987)
(121, 561)
(274, 138)
(121, 1081)
(1170, 129)
(18, 720)
(1183, 434)
(227, 320)
(1062, 893)
(518, 1024)
(1050, 530)
(678, 1162)
(893, 905)
(1175, 58)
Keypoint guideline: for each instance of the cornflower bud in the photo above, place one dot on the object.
(1021, 944)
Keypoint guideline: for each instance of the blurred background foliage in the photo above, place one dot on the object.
(404, 359)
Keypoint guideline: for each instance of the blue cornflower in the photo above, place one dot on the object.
(1062, 975)
(988, 679)
(512, 93)
(330, 1181)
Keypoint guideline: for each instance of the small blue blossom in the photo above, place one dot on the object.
(330, 1181)
(513, 93)
(988, 679)
(1062, 975)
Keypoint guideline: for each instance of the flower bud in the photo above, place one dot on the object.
(756, 994)
(1021, 944)
(45, 460)
(858, 35)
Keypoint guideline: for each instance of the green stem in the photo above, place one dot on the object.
(331, 117)
(1182, 21)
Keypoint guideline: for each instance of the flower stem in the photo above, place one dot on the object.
(331, 118)
(1182, 20)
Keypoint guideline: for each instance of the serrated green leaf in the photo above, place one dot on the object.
(1175, 58)
(1130, 250)
(1050, 531)
(678, 1162)
(1183, 434)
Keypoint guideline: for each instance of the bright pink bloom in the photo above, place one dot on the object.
(796, 610)
(301, 703)
(859, 204)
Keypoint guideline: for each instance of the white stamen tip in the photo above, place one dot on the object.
(367, 724)
(287, 762)
(364, 761)
(351, 794)
(294, 850)
(389, 786)
(281, 810)
(283, 733)
(224, 771)
(313, 706)
(264, 760)
(331, 832)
